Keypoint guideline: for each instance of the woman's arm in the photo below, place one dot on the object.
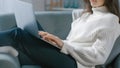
(98, 52)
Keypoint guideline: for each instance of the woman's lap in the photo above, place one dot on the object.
(43, 53)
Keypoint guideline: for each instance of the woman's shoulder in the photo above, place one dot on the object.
(110, 19)
(111, 16)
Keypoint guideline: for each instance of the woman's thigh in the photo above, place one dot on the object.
(45, 54)
(7, 36)
(39, 51)
(50, 56)
(13, 37)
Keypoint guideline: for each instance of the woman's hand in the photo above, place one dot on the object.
(51, 38)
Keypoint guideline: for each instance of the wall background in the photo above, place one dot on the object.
(5, 6)
(39, 5)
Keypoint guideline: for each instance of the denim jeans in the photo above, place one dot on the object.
(42, 53)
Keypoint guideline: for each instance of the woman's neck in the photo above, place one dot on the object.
(101, 9)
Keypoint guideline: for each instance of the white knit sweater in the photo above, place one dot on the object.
(92, 37)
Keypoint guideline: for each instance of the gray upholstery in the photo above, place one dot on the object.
(31, 66)
(7, 21)
(8, 61)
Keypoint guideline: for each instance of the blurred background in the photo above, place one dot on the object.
(45, 5)
(55, 5)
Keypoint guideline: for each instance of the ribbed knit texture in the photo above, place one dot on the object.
(92, 37)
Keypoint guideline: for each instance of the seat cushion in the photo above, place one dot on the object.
(8, 61)
(31, 66)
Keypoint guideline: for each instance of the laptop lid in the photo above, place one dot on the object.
(25, 17)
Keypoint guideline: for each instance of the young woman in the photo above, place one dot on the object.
(88, 44)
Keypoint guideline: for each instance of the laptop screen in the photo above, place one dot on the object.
(25, 17)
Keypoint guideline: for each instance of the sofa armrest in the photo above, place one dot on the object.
(7, 21)
(8, 61)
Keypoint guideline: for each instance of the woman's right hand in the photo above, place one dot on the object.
(51, 38)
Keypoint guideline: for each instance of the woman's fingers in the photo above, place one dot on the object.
(42, 33)
(45, 35)
(51, 38)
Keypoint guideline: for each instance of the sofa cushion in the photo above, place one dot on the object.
(55, 22)
(8, 61)
(31, 66)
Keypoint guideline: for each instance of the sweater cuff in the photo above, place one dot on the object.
(65, 47)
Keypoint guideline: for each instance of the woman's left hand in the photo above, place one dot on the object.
(51, 38)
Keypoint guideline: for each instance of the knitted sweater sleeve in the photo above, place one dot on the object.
(99, 51)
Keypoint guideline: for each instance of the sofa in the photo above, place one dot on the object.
(57, 23)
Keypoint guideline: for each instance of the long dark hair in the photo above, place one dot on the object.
(112, 6)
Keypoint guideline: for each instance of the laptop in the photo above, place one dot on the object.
(25, 19)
